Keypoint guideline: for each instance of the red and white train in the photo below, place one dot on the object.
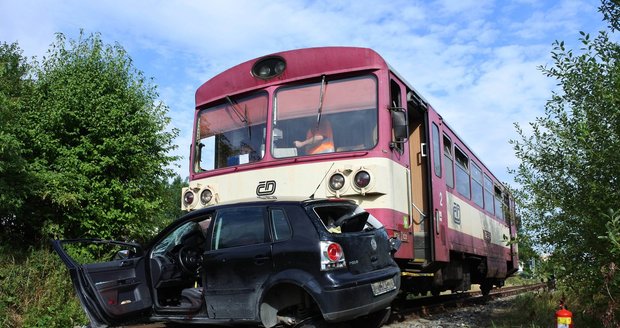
(339, 122)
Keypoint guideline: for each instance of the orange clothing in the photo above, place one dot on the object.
(327, 144)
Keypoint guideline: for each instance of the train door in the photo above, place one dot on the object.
(400, 146)
(418, 159)
(439, 216)
(417, 224)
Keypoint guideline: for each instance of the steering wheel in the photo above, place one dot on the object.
(190, 259)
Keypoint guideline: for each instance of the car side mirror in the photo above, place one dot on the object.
(124, 254)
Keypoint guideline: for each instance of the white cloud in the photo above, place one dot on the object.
(474, 60)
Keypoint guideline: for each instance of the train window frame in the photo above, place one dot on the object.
(462, 174)
(448, 161)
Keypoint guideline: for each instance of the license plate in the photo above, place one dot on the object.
(382, 287)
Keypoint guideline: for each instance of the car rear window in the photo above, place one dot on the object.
(345, 218)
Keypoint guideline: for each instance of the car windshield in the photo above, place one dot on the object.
(173, 239)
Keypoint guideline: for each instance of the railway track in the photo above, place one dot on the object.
(403, 309)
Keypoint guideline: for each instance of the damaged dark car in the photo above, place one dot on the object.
(266, 261)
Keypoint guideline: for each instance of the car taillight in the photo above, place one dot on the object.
(334, 252)
(332, 256)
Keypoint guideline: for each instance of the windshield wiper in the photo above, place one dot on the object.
(242, 115)
(321, 96)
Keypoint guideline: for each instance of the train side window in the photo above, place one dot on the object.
(436, 151)
(462, 173)
(507, 208)
(396, 102)
(448, 162)
(476, 185)
(498, 203)
(488, 195)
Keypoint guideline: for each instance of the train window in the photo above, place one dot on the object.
(231, 133)
(447, 161)
(476, 185)
(396, 102)
(499, 213)
(462, 173)
(507, 207)
(436, 151)
(325, 117)
(488, 195)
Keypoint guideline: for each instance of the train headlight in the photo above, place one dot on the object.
(188, 198)
(336, 182)
(206, 196)
(362, 179)
(269, 67)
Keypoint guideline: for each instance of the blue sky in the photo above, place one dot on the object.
(475, 61)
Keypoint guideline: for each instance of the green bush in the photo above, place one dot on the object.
(537, 309)
(36, 291)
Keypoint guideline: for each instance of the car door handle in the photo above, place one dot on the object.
(125, 264)
(261, 259)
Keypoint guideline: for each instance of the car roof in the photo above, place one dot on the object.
(264, 200)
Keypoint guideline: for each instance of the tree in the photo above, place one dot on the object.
(570, 164)
(97, 145)
(15, 87)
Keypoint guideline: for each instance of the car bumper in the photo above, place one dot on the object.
(348, 303)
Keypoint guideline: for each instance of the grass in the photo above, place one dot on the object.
(36, 291)
(537, 310)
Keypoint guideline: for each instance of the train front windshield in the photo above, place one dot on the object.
(307, 119)
(232, 133)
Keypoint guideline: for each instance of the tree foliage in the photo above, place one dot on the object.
(95, 146)
(570, 163)
(15, 87)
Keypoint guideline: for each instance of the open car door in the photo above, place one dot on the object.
(113, 292)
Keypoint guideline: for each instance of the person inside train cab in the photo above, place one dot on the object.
(319, 139)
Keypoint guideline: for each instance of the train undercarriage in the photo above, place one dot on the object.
(455, 276)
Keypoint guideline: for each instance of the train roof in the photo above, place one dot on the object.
(300, 64)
